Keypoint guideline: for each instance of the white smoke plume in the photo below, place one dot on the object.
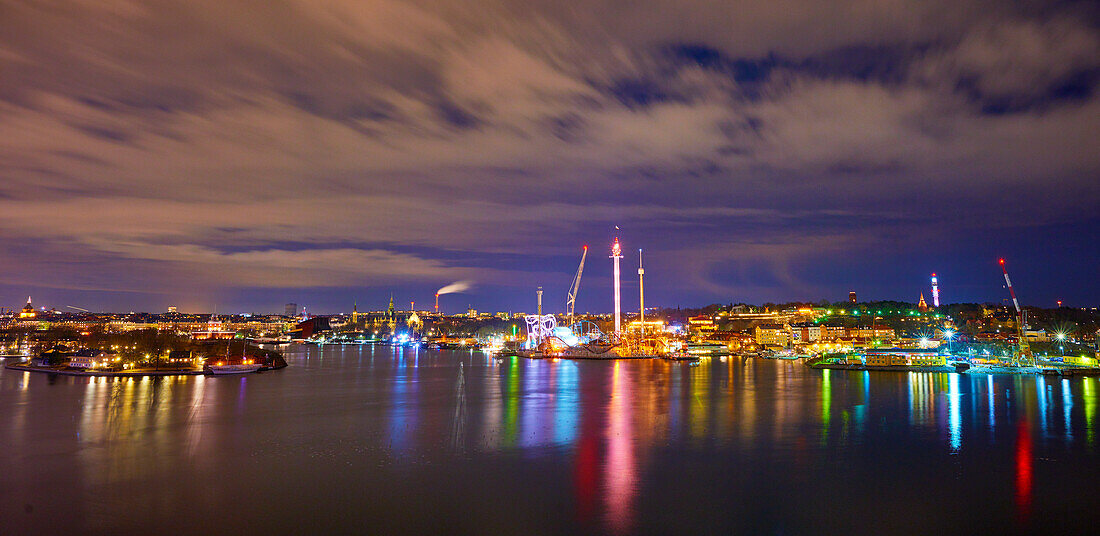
(456, 287)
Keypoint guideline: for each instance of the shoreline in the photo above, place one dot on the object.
(118, 374)
(1061, 371)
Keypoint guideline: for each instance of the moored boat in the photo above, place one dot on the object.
(241, 367)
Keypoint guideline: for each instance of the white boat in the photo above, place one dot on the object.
(271, 340)
(238, 368)
(707, 348)
(232, 365)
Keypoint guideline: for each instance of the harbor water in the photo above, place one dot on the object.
(383, 440)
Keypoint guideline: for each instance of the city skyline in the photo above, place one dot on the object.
(200, 155)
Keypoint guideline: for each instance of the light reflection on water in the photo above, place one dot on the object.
(605, 441)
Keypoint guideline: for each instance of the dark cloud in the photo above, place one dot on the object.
(163, 145)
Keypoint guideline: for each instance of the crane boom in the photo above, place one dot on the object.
(571, 299)
(1024, 358)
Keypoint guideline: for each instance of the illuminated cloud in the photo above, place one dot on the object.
(351, 144)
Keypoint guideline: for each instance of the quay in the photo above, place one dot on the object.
(885, 368)
(1072, 371)
(25, 367)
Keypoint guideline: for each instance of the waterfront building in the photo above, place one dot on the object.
(387, 321)
(832, 332)
(805, 333)
(877, 332)
(701, 326)
(772, 335)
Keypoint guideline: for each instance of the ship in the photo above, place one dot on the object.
(707, 348)
(232, 365)
(243, 367)
(980, 368)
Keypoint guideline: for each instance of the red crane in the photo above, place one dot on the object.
(1023, 357)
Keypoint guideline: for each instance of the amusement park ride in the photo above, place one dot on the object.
(584, 339)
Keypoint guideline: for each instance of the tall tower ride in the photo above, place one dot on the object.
(935, 291)
(641, 292)
(616, 254)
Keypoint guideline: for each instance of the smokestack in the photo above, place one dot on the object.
(436, 303)
(539, 292)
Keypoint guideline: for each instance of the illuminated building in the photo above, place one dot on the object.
(935, 291)
(922, 306)
(28, 311)
(852, 297)
(701, 326)
(805, 333)
(830, 332)
(877, 332)
(771, 335)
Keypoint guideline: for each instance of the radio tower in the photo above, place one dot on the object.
(935, 291)
(616, 254)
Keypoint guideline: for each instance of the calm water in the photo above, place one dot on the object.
(384, 441)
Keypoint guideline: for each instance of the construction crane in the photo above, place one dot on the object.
(571, 299)
(1023, 357)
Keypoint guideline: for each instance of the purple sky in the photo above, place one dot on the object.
(246, 154)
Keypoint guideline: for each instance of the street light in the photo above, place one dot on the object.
(1061, 336)
(948, 335)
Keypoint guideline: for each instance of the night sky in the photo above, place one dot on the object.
(245, 154)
